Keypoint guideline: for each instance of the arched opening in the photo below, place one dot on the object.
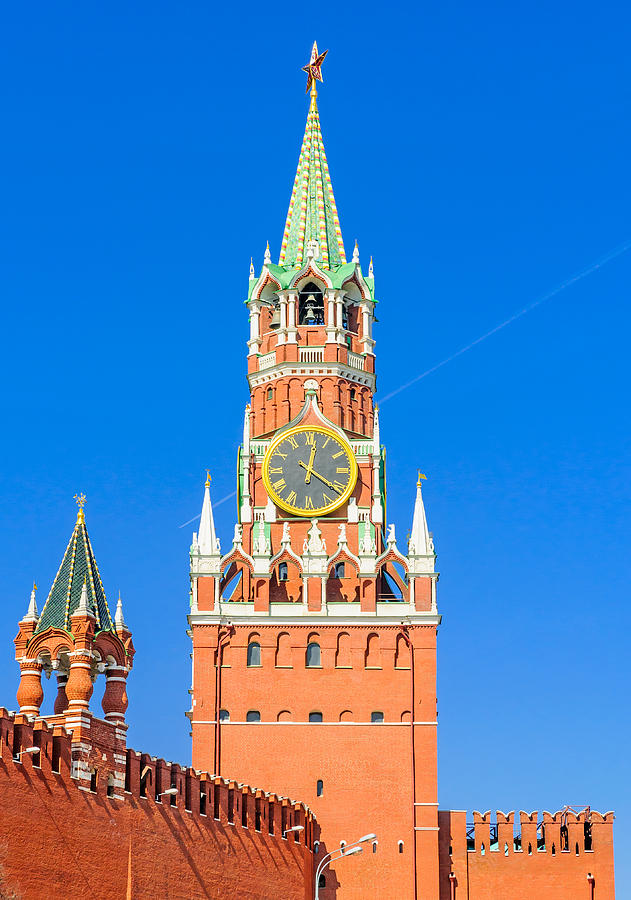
(319, 787)
(400, 845)
(224, 715)
(401, 654)
(339, 570)
(253, 715)
(564, 838)
(254, 654)
(313, 657)
(343, 658)
(283, 651)
(373, 652)
(315, 716)
(376, 718)
(270, 393)
(283, 571)
(321, 881)
(311, 305)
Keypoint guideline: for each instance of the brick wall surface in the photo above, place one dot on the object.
(58, 841)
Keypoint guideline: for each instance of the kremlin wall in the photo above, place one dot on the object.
(313, 696)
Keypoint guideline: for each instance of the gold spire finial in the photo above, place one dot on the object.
(80, 501)
(313, 70)
(421, 477)
(34, 586)
(208, 478)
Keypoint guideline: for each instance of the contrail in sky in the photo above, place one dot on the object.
(215, 505)
(522, 312)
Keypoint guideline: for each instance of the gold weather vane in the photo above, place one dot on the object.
(314, 67)
(208, 478)
(80, 501)
(421, 477)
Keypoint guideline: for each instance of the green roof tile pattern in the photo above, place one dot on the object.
(312, 212)
(77, 566)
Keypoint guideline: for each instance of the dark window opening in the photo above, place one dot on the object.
(311, 305)
(401, 846)
(254, 653)
(319, 787)
(257, 814)
(56, 759)
(231, 806)
(321, 881)
(244, 811)
(282, 572)
(224, 715)
(554, 850)
(270, 393)
(313, 655)
(216, 802)
(587, 835)
(270, 820)
(339, 570)
(315, 716)
(253, 715)
(374, 847)
(352, 393)
(529, 849)
(376, 717)
(110, 786)
(564, 836)
(93, 780)
(202, 802)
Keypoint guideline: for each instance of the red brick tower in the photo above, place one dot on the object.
(314, 637)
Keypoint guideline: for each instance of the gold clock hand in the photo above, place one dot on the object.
(322, 478)
(310, 466)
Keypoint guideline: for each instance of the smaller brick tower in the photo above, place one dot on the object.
(76, 638)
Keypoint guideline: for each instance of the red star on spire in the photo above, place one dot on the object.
(313, 69)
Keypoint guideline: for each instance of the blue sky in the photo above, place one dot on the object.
(480, 153)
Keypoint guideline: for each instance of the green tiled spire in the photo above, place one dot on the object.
(312, 212)
(77, 566)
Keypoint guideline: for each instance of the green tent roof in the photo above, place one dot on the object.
(77, 566)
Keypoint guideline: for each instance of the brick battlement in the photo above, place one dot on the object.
(561, 854)
(138, 838)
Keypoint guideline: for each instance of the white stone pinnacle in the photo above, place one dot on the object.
(420, 543)
(83, 609)
(207, 540)
(119, 620)
(32, 614)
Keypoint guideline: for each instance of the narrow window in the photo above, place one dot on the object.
(401, 846)
(216, 802)
(257, 814)
(374, 846)
(231, 806)
(224, 715)
(110, 786)
(244, 810)
(282, 572)
(202, 802)
(554, 850)
(270, 819)
(143, 781)
(270, 393)
(253, 715)
(587, 835)
(254, 653)
(482, 849)
(93, 780)
(564, 835)
(315, 716)
(313, 655)
(577, 848)
(56, 760)
(319, 787)
(338, 570)
(352, 393)
(321, 881)
(529, 849)
(376, 717)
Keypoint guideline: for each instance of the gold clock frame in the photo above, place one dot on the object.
(323, 510)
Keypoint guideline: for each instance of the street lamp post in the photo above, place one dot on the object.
(347, 850)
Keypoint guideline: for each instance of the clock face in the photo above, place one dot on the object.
(309, 471)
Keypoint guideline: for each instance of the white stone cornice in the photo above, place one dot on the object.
(299, 369)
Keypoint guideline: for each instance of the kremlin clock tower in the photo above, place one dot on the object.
(314, 635)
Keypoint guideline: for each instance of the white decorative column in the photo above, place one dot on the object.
(291, 318)
(255, 337)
